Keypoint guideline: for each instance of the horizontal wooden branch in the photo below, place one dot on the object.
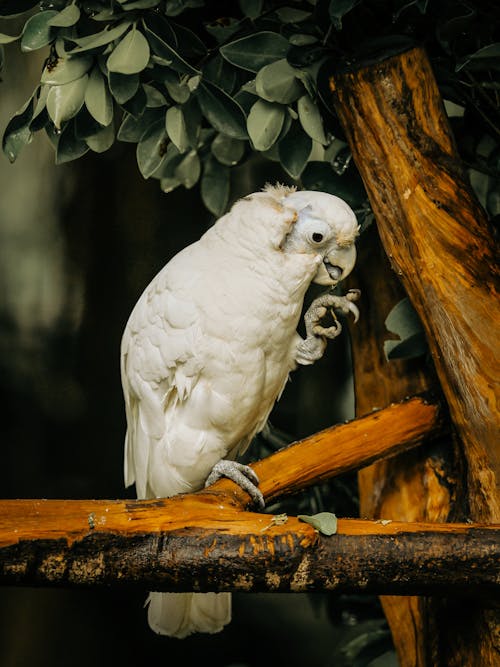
(242, 551)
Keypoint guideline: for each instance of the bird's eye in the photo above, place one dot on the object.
(317, 237)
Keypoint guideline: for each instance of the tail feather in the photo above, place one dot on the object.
(182, 614)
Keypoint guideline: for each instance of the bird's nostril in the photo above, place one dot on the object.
(333, 271)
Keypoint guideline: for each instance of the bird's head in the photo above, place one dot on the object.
(325, 226)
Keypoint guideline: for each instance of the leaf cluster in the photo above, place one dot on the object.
(200, 87)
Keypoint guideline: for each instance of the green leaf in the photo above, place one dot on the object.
(486, 58)
(325, 522)
(264, 124)
(251, 8)
(131, 55)
(222, 29)
(176, 7)
(224, 114)
(294, 151)
(277, 82)
(85, 124)
(151, 149)
(220, 72)
(292, 15)
(310, 119)
(37, 31)
(227, 151)
(176, 85)
(140, 4)
(133, 129)
(64, 102)
(99, 39)
(405, 323)
(8, 39)
(102, 140)
(98, 99)
(176, 128)
(299, 39)
(189, 169)
(167, 53)
(215, 186)
(338, 9)
(123, 86)
(166, 170)
(136, 104)
(69, 147)
(154, 97)
(59, 71)
(66, 18)
(255, 51)
(17, 133)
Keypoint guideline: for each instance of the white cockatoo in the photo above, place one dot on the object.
(208, 349)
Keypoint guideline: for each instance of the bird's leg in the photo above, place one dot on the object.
(312, 348)
(241, 475)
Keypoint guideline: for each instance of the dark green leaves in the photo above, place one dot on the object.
(264, 124)
(404, 322)
(17, 133)
(255, 51)
(131, 55)
(151, 149)
(338, 9)
(38, 31)
(278, 82)
(223, 113)
(294, 150)
(215, 186)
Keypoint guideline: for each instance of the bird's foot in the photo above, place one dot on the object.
(312, 348)
(242, 475)
(330, 302)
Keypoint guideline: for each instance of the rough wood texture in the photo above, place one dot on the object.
(418, 485)
(197, 543)
(437, 238)
(438, 241)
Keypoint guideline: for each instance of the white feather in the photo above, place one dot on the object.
(206, 352)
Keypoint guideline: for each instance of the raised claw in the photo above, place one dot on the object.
(241, 475)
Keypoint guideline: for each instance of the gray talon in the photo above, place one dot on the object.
(241, 475)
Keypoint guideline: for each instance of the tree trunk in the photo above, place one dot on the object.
(437, 239)
(418, 485)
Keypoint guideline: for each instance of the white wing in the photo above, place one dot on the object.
(159, 367)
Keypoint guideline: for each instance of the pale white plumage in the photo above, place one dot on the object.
(210, 344)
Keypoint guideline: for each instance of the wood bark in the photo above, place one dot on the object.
(418, 485)
(437, 239)
(197, 543)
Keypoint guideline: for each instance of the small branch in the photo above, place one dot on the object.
(349, 446)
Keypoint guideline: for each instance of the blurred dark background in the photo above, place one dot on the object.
(78, 244)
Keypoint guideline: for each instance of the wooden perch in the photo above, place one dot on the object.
(437, 238)
(161, 543)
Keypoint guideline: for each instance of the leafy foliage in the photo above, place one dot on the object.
(200, 86)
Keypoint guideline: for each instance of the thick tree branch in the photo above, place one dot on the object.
(244, 551)
(437, 238)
